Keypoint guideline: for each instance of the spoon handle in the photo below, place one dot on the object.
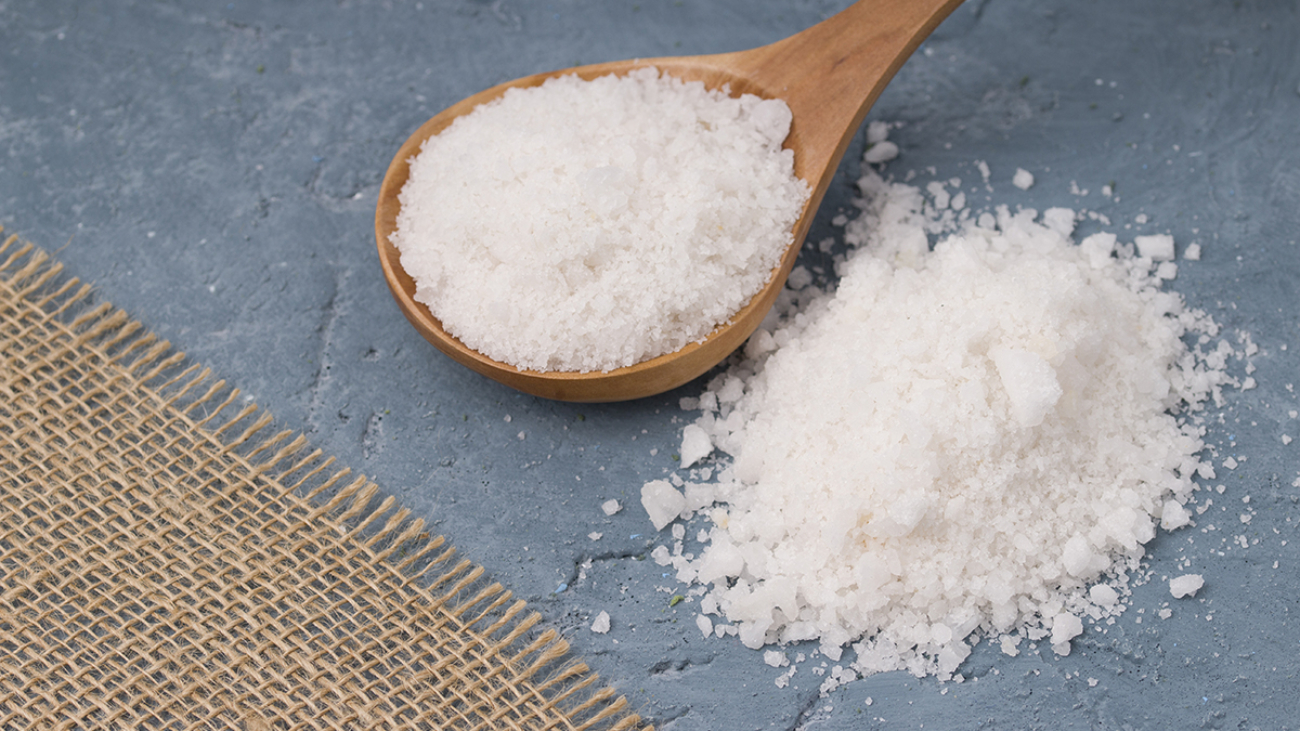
(831, 73)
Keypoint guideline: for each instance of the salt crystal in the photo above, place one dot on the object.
(601, 624)
(1098, 248)
(1157, 247)
(1102, 595)
(696, 445)
(662, 502)
(880, 152)
(1065, 627)
(1173, 515)
(704, 624)
(1023, 179)
(1185, 585)
(1030, 382)
(609, 507)
(877, 132)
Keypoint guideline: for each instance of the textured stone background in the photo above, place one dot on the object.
(213, 167)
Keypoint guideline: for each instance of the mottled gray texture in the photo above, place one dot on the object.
(213, 168)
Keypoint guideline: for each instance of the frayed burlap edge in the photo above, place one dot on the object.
(167, 560)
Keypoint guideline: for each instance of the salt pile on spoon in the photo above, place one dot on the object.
(590, 225)
(955, 444)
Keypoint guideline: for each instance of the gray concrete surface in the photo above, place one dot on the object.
(213, 167)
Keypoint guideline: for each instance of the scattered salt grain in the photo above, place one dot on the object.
(1192, 252)
(877, 132)
(696, 445)
(662, 502)
(1186, 585)
(1103, 595)
(704, 624)
(601, 624)
(609, 507)
(1065, 627)
(881, 152)
(1158, 247)
(1174, 516)
(589, 225)
(1009, 645)
(1023, 179)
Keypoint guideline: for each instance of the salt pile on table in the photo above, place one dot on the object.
(954, 444)
(589, 225)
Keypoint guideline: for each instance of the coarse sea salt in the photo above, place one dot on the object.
(588, 225)
(958, 442)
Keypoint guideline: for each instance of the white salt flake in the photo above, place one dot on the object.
(704, 624)
(696, 445)
(1009, 645)
(610, 507)
(1065, 627)
(880, 152)
(1103, 595)
(1185, 585)
(877, 132)
(1173, 515)
(1023, 179)
(1030, 382)
(601, 624)
(662, 502)
(1157, 247)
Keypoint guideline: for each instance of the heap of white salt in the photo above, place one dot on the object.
(954, 444)
(588, 225)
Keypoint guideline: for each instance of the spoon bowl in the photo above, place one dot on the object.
(829, 75)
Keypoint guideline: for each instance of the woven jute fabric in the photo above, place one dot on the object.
(168, 560)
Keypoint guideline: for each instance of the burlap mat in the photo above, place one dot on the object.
(166, 561)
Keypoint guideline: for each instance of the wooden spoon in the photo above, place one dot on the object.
(830, 75)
